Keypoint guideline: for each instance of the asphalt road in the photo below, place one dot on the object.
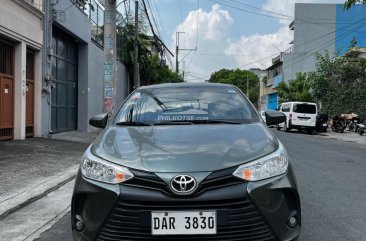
(331, 176)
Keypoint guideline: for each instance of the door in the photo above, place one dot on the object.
(6, 91)
(29, 117)
(64, 93)
(6, 108)
(272, 101)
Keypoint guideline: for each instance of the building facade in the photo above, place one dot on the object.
(317, 28)
(322, 27)
(269, 99)
(73, 64)
(21, 42)
(52, 67)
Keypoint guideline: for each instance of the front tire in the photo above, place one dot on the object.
(334, 128)
(360, 131)
(285, 128)
(352, 127)
(278, 127)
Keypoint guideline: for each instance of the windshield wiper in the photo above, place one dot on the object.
(216, 121)
(173, 122)
(190, 122)
(132, 123)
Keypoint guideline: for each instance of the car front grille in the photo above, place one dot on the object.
(237, 219)
(217, 179)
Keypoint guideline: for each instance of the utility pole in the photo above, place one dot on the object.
(110, 55)
(184, 68)
(247, 85)
(177, 51)
(136, 72)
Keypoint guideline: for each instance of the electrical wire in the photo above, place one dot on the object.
(311, 51)
(268, 11)
(302, 56)
(222, 2)
(152, 28)
(194, 53)
(238, 6)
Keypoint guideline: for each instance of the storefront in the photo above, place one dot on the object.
(20, 69)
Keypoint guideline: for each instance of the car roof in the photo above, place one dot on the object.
(299, 102)
(185, 84)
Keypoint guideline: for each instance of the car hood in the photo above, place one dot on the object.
(184, 148)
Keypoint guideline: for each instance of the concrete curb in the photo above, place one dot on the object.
(34, 193)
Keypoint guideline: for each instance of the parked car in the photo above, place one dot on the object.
(186, 162)
(263, 115)
(299, 115)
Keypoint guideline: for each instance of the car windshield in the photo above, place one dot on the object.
(304, 108)
(197, 104)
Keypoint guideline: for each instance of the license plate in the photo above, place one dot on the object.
(181, 222)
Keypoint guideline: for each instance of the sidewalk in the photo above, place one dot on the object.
(347, 136)
(32, 168)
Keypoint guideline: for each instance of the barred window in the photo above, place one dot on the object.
(6, 59)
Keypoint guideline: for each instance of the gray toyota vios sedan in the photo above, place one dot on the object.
(190, 161)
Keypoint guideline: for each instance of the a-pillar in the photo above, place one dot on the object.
(19, 90)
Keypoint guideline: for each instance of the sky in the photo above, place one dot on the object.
(225, 33)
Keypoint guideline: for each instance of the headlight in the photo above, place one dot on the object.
(95, 168)
(272, 165)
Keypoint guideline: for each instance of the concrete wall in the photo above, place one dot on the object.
(95, 88)
(315, 26)
(122, 83)
(21, 21)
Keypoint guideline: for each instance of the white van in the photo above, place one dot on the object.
(299, 115)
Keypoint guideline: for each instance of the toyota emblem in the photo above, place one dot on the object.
(183, 184)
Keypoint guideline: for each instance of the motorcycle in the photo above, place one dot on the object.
(361, 128)
(338, 123)
(351, 121)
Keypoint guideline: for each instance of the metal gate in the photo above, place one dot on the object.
(64, 93)
(6, 91)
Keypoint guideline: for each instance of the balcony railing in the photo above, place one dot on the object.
(289, 50)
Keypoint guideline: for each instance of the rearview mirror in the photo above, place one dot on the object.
(274, 117)
(99, 121)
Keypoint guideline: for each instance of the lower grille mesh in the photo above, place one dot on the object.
(238, 219)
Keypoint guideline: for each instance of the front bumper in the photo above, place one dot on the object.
(245, 210)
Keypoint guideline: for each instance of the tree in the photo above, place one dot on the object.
(349, 3)
(339, 84)
(152, 69)
(157, 73)
(239, 78)
(296, 90)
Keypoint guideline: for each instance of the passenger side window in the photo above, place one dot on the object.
(286, 108)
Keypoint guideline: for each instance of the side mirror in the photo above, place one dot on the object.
(99, 121)
(274, 117)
